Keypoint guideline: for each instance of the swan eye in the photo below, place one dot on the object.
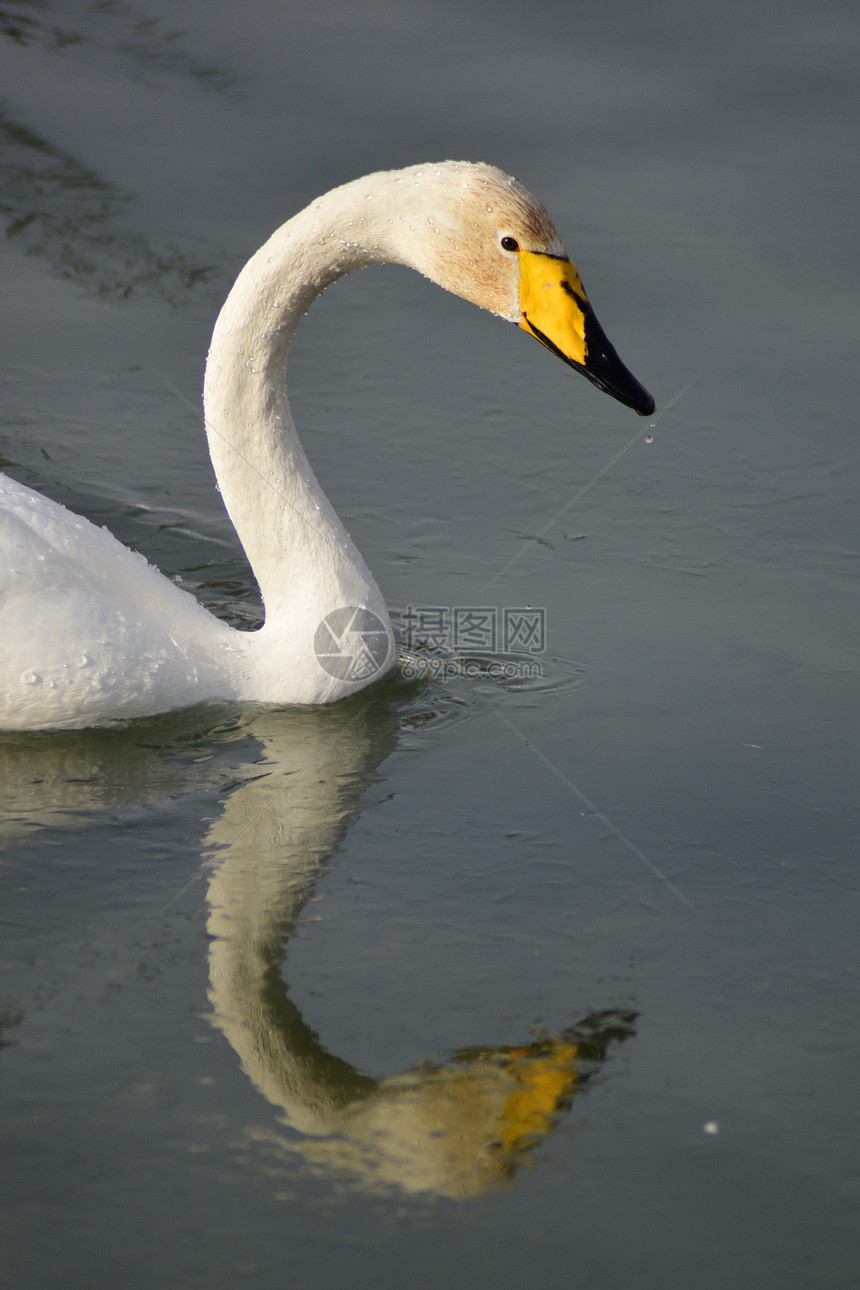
(510, 244)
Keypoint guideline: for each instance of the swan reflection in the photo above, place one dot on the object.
(288, 786)
(453, 1128)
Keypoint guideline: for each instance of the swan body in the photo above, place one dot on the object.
(90, 633)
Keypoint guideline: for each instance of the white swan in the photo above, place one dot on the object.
(90, 633)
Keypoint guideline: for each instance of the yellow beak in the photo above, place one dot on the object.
(556, 311)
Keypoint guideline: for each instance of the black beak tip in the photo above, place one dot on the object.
(646, 405)
(604, 369)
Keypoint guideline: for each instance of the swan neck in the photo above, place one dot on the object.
(297, 546)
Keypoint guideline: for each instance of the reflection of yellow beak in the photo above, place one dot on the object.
(556, 311)
(546, 1076)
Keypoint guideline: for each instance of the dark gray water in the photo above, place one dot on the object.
(490, 981)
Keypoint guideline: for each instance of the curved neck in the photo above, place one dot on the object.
(291, 534)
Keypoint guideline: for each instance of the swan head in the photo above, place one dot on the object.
(485, 237)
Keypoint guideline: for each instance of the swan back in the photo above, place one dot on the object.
(89, 631)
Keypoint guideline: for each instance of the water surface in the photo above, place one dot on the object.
(478, 979)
